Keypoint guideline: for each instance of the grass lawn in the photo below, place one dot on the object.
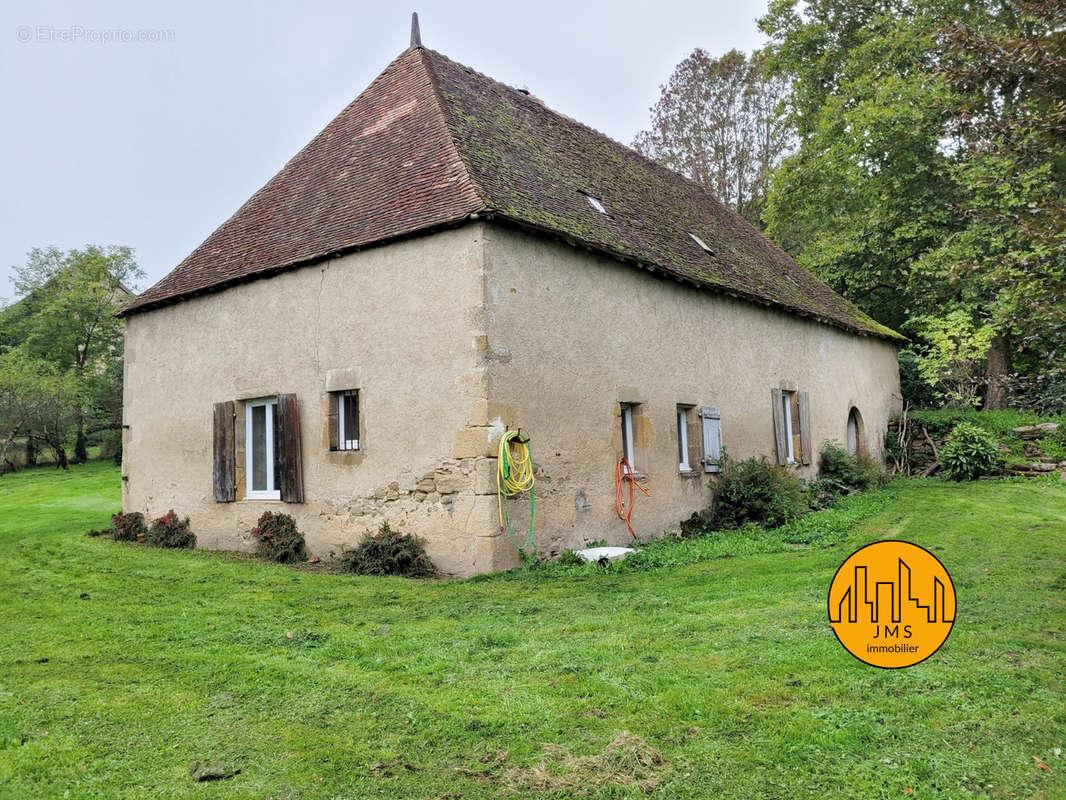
(120, 665)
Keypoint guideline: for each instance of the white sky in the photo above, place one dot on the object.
(154, 144)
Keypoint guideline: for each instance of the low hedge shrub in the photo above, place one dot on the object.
(128, 527)
(388, 552)
(169, 531)
(841, 474)
(277, 538)
(754, 490)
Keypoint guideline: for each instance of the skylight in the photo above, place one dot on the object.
(595, 203)
(700, 242)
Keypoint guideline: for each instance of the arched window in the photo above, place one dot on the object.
(856, 438)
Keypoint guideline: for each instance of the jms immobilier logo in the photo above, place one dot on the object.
(892, 604)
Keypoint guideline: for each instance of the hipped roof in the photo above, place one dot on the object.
(432, 143)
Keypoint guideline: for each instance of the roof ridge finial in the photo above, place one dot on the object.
(416, 35)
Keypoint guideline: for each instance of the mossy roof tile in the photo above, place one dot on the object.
(431, 142)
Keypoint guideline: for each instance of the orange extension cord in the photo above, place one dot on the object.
(624, 472)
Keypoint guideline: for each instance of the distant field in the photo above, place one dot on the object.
(120, 665)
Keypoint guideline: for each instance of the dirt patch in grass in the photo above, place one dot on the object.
(627, 761)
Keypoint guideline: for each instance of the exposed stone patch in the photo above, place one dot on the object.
(411, 493)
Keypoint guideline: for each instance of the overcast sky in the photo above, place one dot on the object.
(154, 143)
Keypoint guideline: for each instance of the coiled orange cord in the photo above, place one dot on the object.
(624, 472)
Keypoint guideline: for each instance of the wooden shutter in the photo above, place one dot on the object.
(778, 397)
(334, 421)
(804, 406)
(712, 439)
(225, 482)
(287, 450)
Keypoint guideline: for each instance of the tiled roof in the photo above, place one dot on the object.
(431, 142)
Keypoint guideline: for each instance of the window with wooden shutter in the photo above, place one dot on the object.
(711, 420)
(224, 478)
(289, 455)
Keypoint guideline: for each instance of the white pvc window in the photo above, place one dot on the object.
(786, 411)
(259, 447)
(682, 440)
(627, 433)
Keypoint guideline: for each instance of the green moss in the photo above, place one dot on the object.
(533, 164)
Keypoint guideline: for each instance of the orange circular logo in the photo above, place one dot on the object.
(892, 604)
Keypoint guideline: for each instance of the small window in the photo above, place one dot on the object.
(344, 408)
(792, 426)
(596, 204)
(682, 439)
(261, 465)
(701, 243)
(627, 433)
(790, 414)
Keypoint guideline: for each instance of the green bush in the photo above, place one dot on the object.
(169, 531)
(940, 423)
(841, 474)
(128, 527)
(111, 447)
(1053, 445)
(277, 538)
(970, 452)
(754, 490)
(570, 558)
(388, 552)
(917, 393)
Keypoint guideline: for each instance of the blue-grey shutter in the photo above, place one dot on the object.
(711, 419)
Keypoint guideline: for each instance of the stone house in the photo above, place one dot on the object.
(449, 259)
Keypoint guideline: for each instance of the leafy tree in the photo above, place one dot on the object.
(716, 123)
(1012, 78)
(870, 188)
(929, 174)
(65, 319)
(38, 402)
(955, 347)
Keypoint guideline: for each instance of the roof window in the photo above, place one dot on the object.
(595, 203)
(700, 242)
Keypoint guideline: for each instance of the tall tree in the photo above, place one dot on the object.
(928, 178)
(1012, 78)
(71, 299)
(716, 123)
(870, 188)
